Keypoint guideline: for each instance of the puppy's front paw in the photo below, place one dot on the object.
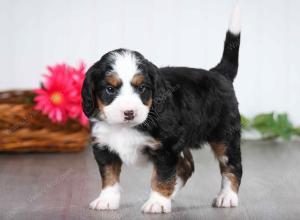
(226, 199)
(157, 204)
(105, 203)
(109, 199)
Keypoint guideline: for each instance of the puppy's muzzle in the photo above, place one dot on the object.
(129, 115)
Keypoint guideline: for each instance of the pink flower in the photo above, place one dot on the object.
(60, 95)
(78, 78)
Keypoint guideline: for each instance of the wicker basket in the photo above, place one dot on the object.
(23, 129)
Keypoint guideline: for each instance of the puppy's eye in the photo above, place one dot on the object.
(110, 90)
(141, 89)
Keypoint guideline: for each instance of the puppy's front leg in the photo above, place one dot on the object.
(162, 185)
(110, 167)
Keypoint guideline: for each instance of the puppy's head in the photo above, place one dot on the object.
(119, 88)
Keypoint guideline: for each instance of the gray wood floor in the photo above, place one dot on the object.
(60, 186)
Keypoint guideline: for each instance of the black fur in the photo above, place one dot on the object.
(202, 108)
(103, 156)
(229, 62)
(190, 107)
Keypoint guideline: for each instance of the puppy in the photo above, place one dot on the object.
(139, 113)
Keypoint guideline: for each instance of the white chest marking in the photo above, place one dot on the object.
(127, 142)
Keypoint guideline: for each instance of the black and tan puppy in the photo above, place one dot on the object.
(139, 113)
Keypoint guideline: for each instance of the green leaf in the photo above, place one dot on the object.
(264, 123)
(284, 127)
(297, 131)
(245, 123)
(271, 125)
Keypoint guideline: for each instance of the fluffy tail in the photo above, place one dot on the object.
(229, 62)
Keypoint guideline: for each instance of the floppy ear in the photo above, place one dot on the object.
(159, 86)
(88, 94)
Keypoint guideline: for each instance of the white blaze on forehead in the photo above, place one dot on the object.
(125, 65)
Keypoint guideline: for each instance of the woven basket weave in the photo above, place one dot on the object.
(23, 129)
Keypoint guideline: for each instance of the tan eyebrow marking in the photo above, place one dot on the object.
(113, 80)
(137, 79)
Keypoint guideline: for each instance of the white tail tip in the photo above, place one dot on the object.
(235, 20)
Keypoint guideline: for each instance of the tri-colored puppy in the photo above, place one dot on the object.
(141, 113)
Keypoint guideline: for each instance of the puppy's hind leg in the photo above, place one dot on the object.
(229, 157)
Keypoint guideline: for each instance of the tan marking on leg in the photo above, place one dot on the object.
(219, 150)
(185, 166)
(233, 180)
(165, 188)
(110, 174)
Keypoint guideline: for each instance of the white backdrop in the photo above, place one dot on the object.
(36, 33)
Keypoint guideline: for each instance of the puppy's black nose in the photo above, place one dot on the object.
(129, 115)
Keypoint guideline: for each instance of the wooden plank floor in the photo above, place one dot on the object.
(60, 186)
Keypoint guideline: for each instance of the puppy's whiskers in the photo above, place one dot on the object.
(151, 120)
